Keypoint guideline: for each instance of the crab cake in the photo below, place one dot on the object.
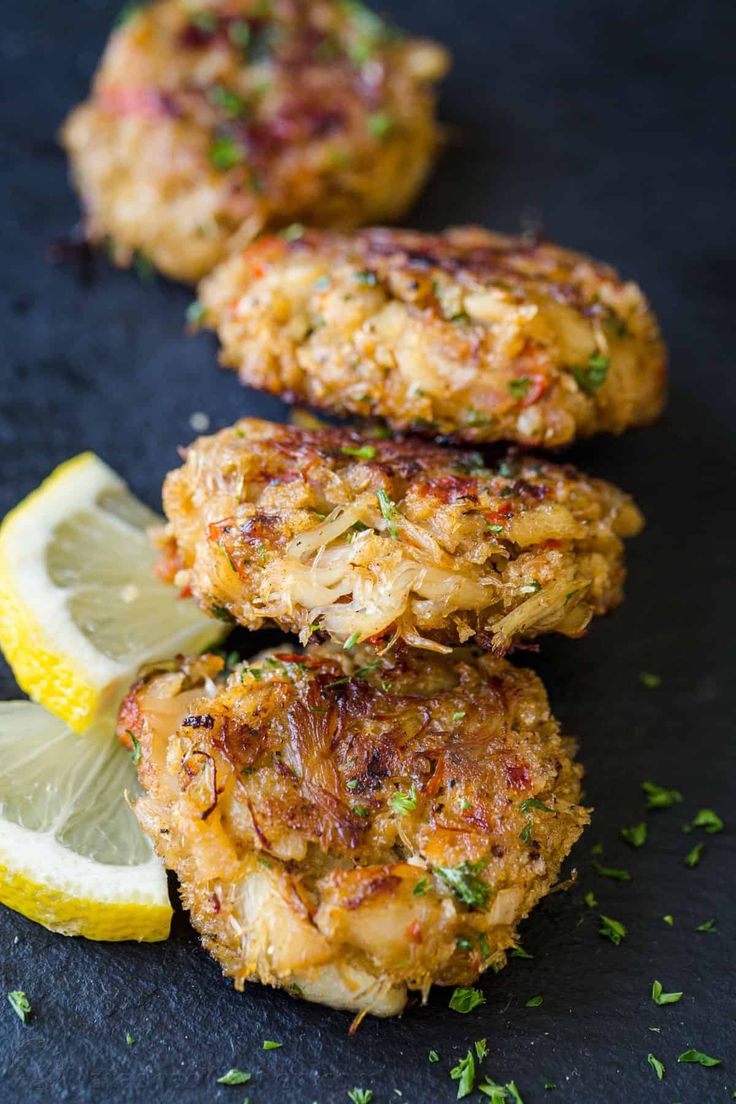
(352, 827)
(467, 334)
(357, 537)
(209, 121)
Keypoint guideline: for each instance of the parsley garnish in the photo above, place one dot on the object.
(636, 836)
(234, 1077)
(361, 810)
(465, 1000)
(136, 752)
(693, 857)
(519, 387)
(519, 952)
(699, 1058)
(230, 102)
(481, 1048)
(550, 1085)
(389, 511)
(590, 899)
(534, 803)
(499, 1094)
(593, 375)
(458, 716)
(293, 232)
(618, 874)
(220, 613)
(659, 997)
(380, 124)
(351, 641)
(366, 277)
(433, 1056)
(658, 797)
(225, 153)
(708, 819)
(464, 882)
(268, 1044)
(534, 1002)
(129, 1038)
(612, 929)
(706, 926)
(196, 312)
(365, 452)
(669, 920)
(361, 1096)
(20, 1004)
(421, 887)
(403, 803)
(649, 680)
(464, 1074)
(656, 1066)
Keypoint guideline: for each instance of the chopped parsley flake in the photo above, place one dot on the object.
(616, 873)
(465, 1000)
(590, 899)
(129, 1038)
(534, 1002)
(464, 882)
(365, 452)
(518, 387)
(293, 232)
(403, 803)
(656, 1066)
(380, 124)
(636, 836)
(433, 1056)
(464, 1074)
(657, 797)
(136, 752)
(519, 952)
(550, 1085)
(20, 1004)
(649, 680)
(660, 997)
(707, 926)
(361, 810)
(366, 277)
(234, 1077)
(481, 1049)
(421, 887)
(230, 102)
(351, 641)
(699, 1058)
(708, 819)
(269, 1044)
(693, 857)
(612, 929)
(534, 803)
(196, 312)
(361, 1096)
(669, 920)
(389, 512)
(593, 375)
(225, 153)
(500, 1094)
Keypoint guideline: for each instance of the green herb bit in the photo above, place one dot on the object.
(360, 1096)
(464, 882)
(465, 1000)
(707, 926)
(225, 153)
(669, 920)
(361, 810)
(481, 1049)
(534, 803)
(136, 752)
(519, 387)
(636, 836)
(525, 834)
(269, 1044)
(366, 277)
(458, 716)
(708, 819)
(196, 312)
(293, 232)
(403, 803)
(473, 417)
(20, 1004)
(129, 1038)
(593, 375)
(519, 952)
(550, 1085)
(234, 1077)
(127, 13)
(433, 1056)
(617, 874)
(590, 899)
(697, 1057)
(660, 997)
(364, 452)
(389, 512)
(464, 1074)
(494, 528)
(656, 1066)
(658, 797)
(421, 887)
(500, 1094)
(380, 124)
(351, 641)
(220, 613)
(230, 102)
(534, 1002)
(693, 857)
(649, 680)
(612, 929)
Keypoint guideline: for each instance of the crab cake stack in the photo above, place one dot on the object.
(377, 812)
(209, 122)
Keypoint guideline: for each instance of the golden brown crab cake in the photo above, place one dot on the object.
(211, 120)
(357, 537)
(351, 826)
(468, 334)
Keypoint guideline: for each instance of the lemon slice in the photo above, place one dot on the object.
(72, 856)
(80, 607)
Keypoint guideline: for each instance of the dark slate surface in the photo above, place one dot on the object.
(612, 119)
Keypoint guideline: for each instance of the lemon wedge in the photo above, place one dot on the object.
(80, 607)
(72, 856)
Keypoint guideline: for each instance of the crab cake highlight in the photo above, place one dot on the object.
(364, 538)
(352, 827)
(467, 334)
(208, 122)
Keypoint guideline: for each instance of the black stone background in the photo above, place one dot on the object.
(614, 120)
